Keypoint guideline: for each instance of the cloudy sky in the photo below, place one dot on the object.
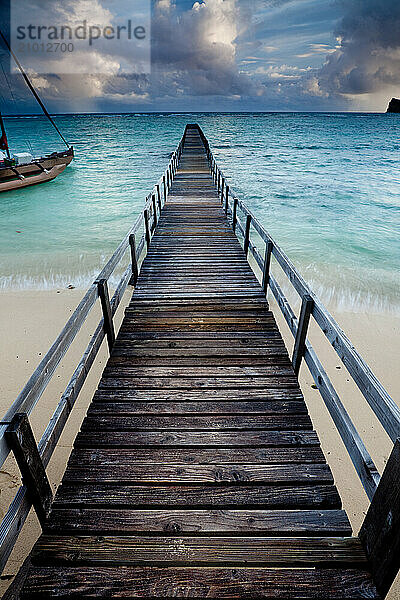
(226, 55)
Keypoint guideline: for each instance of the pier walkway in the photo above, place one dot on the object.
(197, 472)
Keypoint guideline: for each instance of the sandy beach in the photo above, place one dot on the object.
(30, 321)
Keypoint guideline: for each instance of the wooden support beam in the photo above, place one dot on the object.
(267, 265)
(247, 235)
(226, 199)
(300, 342)
(104, 296)
(234, 213)
(153, 199)
(222, 189)
(158, 197)
(21, 440)
(147, 227)
(135, 269)
(380, 532)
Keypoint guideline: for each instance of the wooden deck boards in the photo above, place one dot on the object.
(197, 472)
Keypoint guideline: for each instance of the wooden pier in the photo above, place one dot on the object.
(197, 472)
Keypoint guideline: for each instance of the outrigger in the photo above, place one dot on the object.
(19, 170)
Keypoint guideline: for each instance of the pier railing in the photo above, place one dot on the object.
(15, 431)
(380, 532)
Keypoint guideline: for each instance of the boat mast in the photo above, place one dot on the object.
(34, 92)
(3, 138)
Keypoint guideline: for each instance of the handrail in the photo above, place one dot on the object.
(20, 506)
(377, 397)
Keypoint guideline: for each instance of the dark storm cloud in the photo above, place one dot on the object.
(368, 59)
(194, 50)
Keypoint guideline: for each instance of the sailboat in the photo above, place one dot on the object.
(19, 170)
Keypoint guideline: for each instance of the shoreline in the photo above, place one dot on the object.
(31, 320)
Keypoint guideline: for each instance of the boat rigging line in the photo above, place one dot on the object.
(34, 92)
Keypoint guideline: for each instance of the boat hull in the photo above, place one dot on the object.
(46, 162)
(42, 177)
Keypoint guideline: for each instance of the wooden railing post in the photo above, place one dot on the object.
(267, 265)
(158, 197)
(380, 532)
(147, 227)
(153, 199)
(165, 188)
(222, 189)
(21, 440)
(234, 213)
(247, 235)
(300, 342)
(219, 181)
(104, 296)
(226, 199)
(135, 269)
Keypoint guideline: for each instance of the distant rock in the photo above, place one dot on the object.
(394, 106)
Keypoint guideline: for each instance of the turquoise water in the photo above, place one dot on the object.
(327, 186)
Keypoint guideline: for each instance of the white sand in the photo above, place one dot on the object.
(30, 321)
(29, 324)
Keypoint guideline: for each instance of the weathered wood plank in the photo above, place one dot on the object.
(175, 383)
(183, 359)
(198, 582)
(218, 495)
(200, 522)
(205, 456)
(111, 471)
(198, 339)
(221, 395)
(195, 423)
(126, 407)
(197, 372)
(128, 439)
(162, 551)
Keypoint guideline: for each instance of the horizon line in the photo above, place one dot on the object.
(195, 112)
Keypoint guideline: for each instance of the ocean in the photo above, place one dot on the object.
(326, 186)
